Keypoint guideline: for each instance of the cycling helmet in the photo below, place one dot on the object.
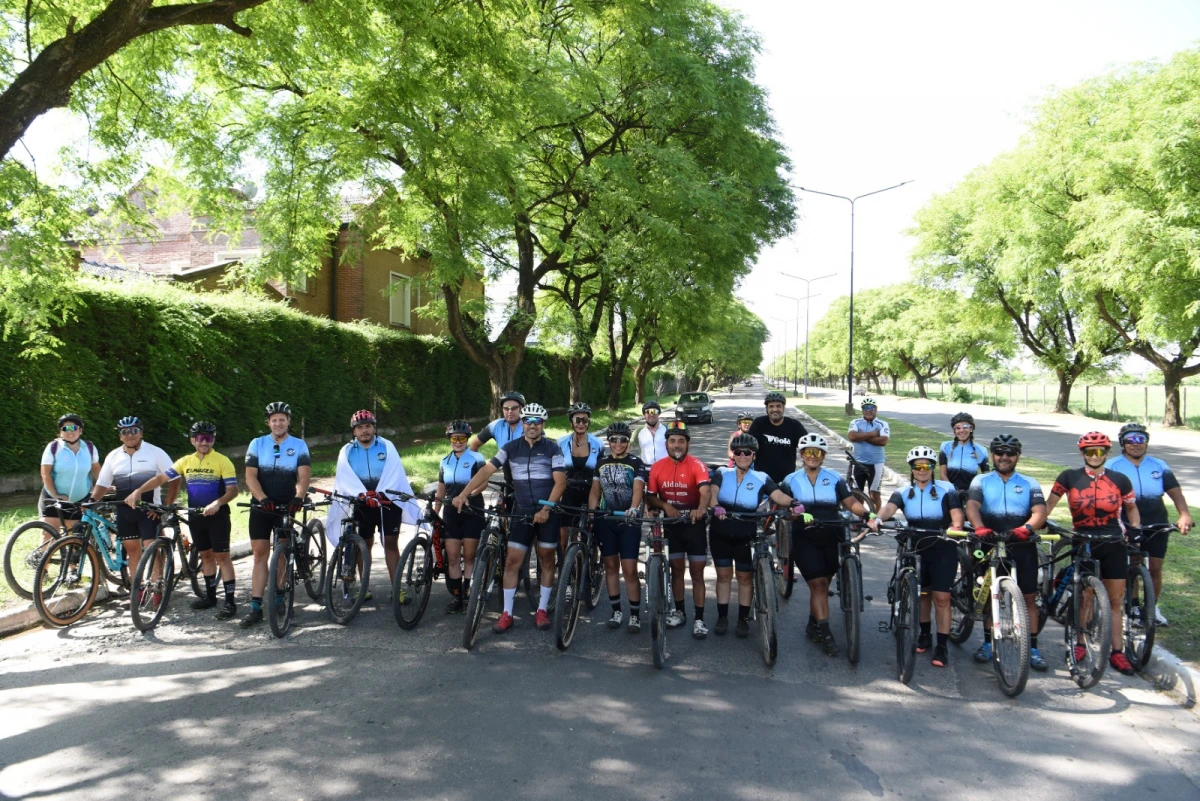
(458, 428)
(745, 416)
(71, 417)
(130, 421)
(1006, 441)
(922, 452)
(512, 394)
(1094, 439)
(202, 427)
(648, 405)
(774, 397)
(1128, 428)
(962, 417)
(744, 441)
(679, 427)
(362, 416)
(618, 428)
(533, 410)
(813, 441)
(279, 407)
(579, 408)
(868, 402)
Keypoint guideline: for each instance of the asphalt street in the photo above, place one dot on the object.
(200, 709)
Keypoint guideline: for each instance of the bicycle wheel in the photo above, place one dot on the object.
(850, 595)
(767, 609)
(481, 586)
(1095, 634)
(656, 607)
(905, 621)
(1010, 640)
(567, 592)
(192, 568)
(1139, 616)
(24, 548)
(66, 581)
(347, 577)
(149, 594)
(595, 577)
(865, 499)
(962, 601)
(531, 577)
(310, 560)
(413, 581)
(281, 588)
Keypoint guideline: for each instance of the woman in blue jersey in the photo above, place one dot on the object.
(960, 459)
(70, 465)
(462, 529)
(738, 489)
(815, 550)
(581, 451)
(932, 505)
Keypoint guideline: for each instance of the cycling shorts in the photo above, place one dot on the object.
(212, 533)
(1155, 544)
(135, 524)
(577, 497)
(730, 543)
(939, 564)
(815, 558)
(261, 524)
(385, 518)
(47, 510)
(868, 476)
(522, 532)
(619, 538)
(1024, 559)
(687, 539)
(463, 525)
(1113, 559)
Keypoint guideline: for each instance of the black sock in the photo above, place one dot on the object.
(615, 600)
(987, 635)
(1033, 641)
(466, 588)
(634, 606)
(679, 606)
(743, 612)
(823, 625)
(926, 627)
(699, 612)
(943, 639)
(256, 602)
(229, 588)
(812, 621)
(210, 585)
(722, 611)
(455, 587)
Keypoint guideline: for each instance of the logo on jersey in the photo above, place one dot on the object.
(381, 456)
(291, 451)
(1018, 490)
(824, 482)
(777, 440)
(1156, 475)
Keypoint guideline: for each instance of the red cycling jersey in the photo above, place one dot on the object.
(679, 483)
(1095, 502)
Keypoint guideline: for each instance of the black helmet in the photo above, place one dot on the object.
(679, 427)
(458, 428)
(619, 428)
(775, 397)
(202, 427)
(70, 417)
(744, 441)
(648, 405)
(279, 407)
(1128, 428)
(745, 416)
(1006, 441)
(962, 417)
(579, 408)
(512, 395)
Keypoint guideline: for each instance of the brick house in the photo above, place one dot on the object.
(182, 250)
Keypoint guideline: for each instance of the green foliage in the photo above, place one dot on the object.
(960, 394)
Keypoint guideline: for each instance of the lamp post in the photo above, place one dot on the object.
(807, 294)
(784, 343)
(850, 355)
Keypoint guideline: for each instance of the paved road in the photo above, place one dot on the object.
(200, 709)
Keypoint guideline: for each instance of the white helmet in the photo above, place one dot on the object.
(922, 452)
(533, 410)
(813, 441)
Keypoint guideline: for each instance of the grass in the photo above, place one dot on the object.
(1181, 576)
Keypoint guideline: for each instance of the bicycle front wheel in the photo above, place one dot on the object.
(767, 609)
(66, 581)
(281, 588)
(413, 582)
(784, 550)
(153, 580)
(1089, 623)
(656, 607)
(310, 560)
(25, 547)
(850, 596)
(865, 499)
(481, 586)
(1139, 616)
(1010, 640)
(191, 568)
(531, 576)
(347, 577)
(904, 618)
(567, 592)
(962, 601)
(595, 577)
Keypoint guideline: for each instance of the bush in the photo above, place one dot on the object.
(960, 394)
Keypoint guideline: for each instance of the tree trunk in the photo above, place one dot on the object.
(878, 389)
(920, 384)
(1066, 380)
(502, 373)
(576, 367)
(1171, 381)
(895, 380)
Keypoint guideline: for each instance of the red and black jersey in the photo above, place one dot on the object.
(1095, 500)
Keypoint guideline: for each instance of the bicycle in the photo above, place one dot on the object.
(350, 563)
(28, 543)
(65, 582)
(297, 556)
(1140, 618)
(421, 563)
(529, 578)
(155, 578)
(764, 606)
(493, 553)
(659, 595)
(580, 575)
(847, 582)
(859, 494)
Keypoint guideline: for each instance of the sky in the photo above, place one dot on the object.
(869, 94)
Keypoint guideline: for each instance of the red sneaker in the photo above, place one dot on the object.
(1080, 653)
(504, 623)
(1120, 662)
(542, 620)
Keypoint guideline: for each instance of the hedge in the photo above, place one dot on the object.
(172, 356)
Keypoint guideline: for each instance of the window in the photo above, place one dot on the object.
(299, 283)
(401, 302)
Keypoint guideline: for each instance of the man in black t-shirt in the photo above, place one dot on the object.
(777, 437)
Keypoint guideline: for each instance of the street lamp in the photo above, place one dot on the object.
(807, 294)
(785, 322)
(850, 356)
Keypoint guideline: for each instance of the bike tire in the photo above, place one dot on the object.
(280, 600)
(656, 607)
(313, 571)
(1010, 651)
(344, 594)
(905, 617)
(865, 499)
(23, 550)
(851, 594)
(768, 610)
(595, 577)
(413, 582)
(1139, 610)
(962, 601)
(62, 598)
(531, 576)
(193, 568)
(567, 596)
(481, 580)
(1097, 634)
(149, 596)
(784, 545)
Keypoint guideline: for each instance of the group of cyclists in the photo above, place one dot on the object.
(551, 485)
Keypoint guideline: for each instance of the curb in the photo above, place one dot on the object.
(1172, 676)
(889, 475)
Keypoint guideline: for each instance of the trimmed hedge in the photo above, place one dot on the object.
(171, 356)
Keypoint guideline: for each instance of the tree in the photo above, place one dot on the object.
(728, 346)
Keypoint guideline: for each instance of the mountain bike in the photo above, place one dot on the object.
(529, 577)
(659, 595)
(66, 579)
(28, 543)
(764, 606)
(577, 580)
(859, 494)
(348, 577)
(489, 563)
(1140, 617)
(155, 577)
(421, 563)
(297, 557)
(998, 598)
(847, 584)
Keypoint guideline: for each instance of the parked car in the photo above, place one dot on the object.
(860, 390)
(694, 406)
(747, 382)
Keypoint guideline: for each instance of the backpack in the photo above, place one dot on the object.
(54, 447)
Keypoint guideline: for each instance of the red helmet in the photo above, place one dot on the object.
(1094, 439)
(362, 416)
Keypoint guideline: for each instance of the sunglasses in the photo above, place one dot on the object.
(869, 408)
(653, 411)
(964, 427)
(125, 432)
(743, 452)
(1004, 453)
(1130, 439)
(72, 427)
(510, 408)
(581, 421)
(812, 453)
(458, 438)
(922, 466)
(534, 421)
(202, 438)
(618, 440)
(1095, 453)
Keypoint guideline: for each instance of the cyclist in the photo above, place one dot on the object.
(461, 531)
(822, 492)
(367, 465)
(125, 469)
(581, 451)
(1151, 479)
(744, 420)
(930, 504)
(778, 438)
(539, 474)
(620, 481)
(278, 471)
(737, 489)
(1005, 500)
(212, 484)
(1096, 498)
(960, 459)
(70, 465)
(869, 435)
(507, 427)
(679, 485)
(652, 437)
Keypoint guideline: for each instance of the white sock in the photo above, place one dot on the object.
(545, 601)
(508, 599)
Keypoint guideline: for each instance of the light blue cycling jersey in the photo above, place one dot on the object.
(367, 462)
(923, 510)
(71, 471)
(1005, 505)
(821, 496)
(865, 452)
(744, 495)
(1151, 480)
(498, 430)
(457, 470)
